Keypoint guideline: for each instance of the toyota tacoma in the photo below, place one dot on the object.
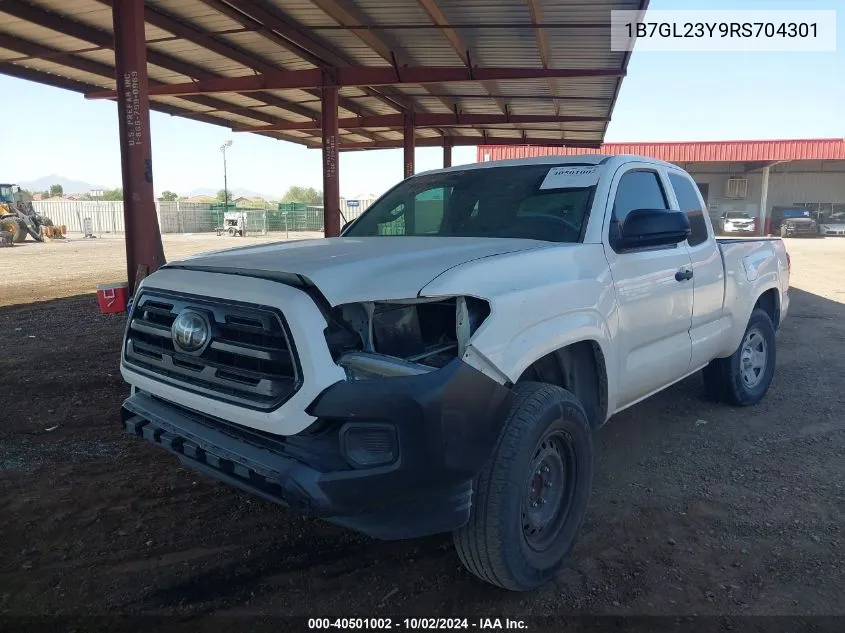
(443, 365)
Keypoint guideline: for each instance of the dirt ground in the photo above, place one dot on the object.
(34, 271)
(697, 508)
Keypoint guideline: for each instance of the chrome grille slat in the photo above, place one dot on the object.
(244, 350)
(150, 328)
(250, 358)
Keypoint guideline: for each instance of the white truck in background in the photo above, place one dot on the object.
(442, 366)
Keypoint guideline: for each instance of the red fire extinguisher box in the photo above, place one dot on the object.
(112, 297)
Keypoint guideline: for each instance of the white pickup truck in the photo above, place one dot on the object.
(443, 364)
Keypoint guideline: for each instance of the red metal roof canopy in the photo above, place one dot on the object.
(689, 152)
(534, 71)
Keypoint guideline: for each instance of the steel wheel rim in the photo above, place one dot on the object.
(753, 358)
(550, 489)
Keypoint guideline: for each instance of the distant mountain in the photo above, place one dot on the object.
(237, 192)
(68, 185)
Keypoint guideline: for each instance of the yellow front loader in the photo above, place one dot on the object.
(19, 219)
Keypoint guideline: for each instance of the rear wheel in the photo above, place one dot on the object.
(531, 498)
(744, 377)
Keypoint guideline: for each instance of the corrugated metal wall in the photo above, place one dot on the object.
(106, 216)
(187, 217)
(790, 188)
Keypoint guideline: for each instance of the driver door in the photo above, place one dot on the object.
(654, 306)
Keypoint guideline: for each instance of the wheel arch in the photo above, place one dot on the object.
(769, 302)
(740, 306)
(580, 368)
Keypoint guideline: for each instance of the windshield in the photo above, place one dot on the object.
(504, 202)
(738, 215)
(6, 194)
(796, 213)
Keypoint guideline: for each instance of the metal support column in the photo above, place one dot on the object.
(764, 201)
(331, 180)
(409, 145)
(447, 152)
(143, 236)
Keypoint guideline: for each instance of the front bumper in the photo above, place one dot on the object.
(445, 425)
(801, 231)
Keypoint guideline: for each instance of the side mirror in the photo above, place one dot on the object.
(653, 227)
(345, 226)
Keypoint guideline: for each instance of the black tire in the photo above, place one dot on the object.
(494, 545)
(15, 227)
(724, 378)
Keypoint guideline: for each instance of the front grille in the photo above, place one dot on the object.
(250, 360)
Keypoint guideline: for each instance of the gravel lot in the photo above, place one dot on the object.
(34, 271)
(697, 508)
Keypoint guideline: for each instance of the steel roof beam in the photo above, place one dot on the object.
(433, 10)
(469, 141)
(522, 97)
(542, 47)
(38, 51)
(423, 120)
(216, 45)
(348, 16)
(221, 47)
(104, 39)
(364, 76)
(56, 81)
(278, 30)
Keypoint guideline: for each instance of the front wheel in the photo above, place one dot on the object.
(531, 498)
(14, 226)
(744, 377)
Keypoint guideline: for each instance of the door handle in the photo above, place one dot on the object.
(683, 275)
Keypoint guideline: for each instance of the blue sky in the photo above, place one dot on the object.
(665, 97)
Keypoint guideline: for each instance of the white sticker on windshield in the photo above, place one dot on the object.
(562, 177)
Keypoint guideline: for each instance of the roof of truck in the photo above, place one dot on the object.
(586, 159)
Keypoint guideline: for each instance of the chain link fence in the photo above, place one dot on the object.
(192, 217)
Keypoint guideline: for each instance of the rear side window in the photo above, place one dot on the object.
(690, 204)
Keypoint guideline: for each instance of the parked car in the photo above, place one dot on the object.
(833, 227)
(444, 364)
(793, 222)
(738, 222)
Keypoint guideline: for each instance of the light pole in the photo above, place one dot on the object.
(223, 149)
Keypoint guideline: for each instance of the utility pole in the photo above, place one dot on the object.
(223, 149)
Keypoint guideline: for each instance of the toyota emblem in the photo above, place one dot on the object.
(190, 331)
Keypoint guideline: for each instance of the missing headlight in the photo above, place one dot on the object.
(429, 332)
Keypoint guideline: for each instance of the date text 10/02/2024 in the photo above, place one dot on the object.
(388, 624)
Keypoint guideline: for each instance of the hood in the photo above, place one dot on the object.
(740, 220)
(349, 269)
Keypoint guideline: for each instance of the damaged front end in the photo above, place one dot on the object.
(379, 339)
